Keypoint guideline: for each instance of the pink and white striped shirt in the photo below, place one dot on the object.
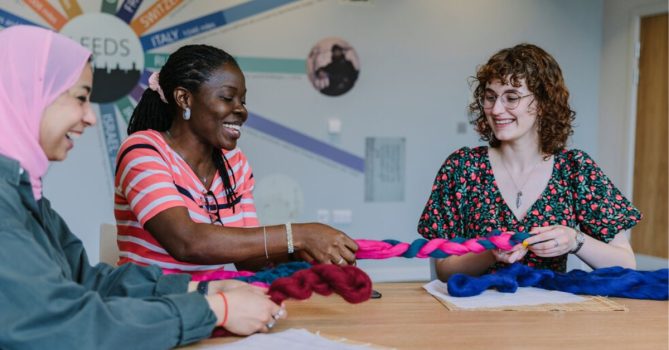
(151, 177)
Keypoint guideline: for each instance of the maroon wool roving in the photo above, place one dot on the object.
(350, 282)
(353, 284)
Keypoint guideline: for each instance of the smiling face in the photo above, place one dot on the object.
(511, 124)
(65, 119)
(219, 107)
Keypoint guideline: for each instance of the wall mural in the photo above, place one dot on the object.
(126, 52)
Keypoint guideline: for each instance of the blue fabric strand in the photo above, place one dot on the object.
(270, 275)
(611, 281)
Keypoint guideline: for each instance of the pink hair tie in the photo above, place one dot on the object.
(155, 86)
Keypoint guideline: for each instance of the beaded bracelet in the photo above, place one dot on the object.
(289, 238)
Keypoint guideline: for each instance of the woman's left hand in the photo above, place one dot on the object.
(228, 285)
(551, 241)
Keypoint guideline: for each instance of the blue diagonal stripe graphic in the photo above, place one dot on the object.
(8, 19)
(306, 142)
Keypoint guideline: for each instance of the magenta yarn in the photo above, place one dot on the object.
(438, 247)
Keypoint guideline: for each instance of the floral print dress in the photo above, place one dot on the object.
(465, 202)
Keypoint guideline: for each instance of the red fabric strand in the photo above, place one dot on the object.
(350, 282)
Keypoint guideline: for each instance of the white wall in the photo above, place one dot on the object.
(416, 57)
(617, 113)
(617, 108)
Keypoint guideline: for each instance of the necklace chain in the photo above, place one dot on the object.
(204, 178)
(519, 190)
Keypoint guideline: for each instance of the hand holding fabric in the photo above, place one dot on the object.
(551, 241)
(324, 244)
(245, 310)
(510, 256)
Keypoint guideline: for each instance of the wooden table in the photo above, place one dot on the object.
(406, 317)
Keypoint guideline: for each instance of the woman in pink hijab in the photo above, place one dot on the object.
(37, 67)
(50, 296)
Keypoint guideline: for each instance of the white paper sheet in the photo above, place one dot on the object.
(293, 339)
(492, 298)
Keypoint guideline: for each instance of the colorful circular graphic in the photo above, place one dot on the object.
(118, 56)
(127, 47)
(333, 66)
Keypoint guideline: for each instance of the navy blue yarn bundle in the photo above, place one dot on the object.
(611, 281)
(269, 275)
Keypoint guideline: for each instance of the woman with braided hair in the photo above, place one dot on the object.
(51, 296)
(184, 190)
(526, 180)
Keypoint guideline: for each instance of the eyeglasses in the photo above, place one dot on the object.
(510, 100)
(212, 207)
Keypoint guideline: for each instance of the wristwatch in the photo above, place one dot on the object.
(203, 287)
(580, 239)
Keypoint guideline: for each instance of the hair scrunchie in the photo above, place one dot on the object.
(155, 85)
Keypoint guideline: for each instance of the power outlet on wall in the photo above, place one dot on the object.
(334, 126)
(342, 216)
(323, 216)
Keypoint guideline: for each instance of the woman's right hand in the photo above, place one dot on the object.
(249, 310)
(324, 244)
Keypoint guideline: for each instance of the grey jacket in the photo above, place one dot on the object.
(52, 298)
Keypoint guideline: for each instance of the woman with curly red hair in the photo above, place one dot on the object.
(526, 180)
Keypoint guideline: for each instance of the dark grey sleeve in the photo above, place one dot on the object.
(44, 308)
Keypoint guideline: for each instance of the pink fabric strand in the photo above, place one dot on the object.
(371, 249)
(216, 275)
(431, 246)
(474, 246)
(501, 241)
(454, 248)
(36, 66)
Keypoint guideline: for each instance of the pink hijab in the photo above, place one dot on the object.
(36, 66)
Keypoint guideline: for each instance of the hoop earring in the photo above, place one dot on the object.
(186, 115)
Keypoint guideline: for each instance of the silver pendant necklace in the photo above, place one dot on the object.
(519, 189)
(204, 179)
